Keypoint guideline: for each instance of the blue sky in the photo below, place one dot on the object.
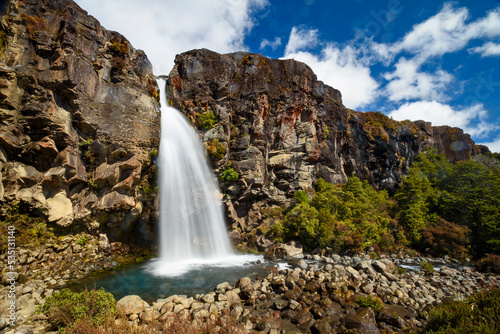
(431, 60)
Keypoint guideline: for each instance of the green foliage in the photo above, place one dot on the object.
(374, 303)
(229, 175)
(427, 267)
(205, 120)
(477, 314)
(346, 217)
(327, 131)
(153, 153)
(86, 142)
(65, 307)
(147, 188)
(30, 229)
(400, 270)
(82, 241)
(119, 48)
(215, 149)
(464, 194)
(91, 183)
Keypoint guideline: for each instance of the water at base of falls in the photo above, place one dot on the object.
(192, 231)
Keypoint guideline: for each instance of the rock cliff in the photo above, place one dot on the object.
(281, 129)
(79, 120)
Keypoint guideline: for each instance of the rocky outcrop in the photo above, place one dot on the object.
(79, 119)
(281, 129)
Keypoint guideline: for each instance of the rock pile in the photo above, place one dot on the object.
(317, 294)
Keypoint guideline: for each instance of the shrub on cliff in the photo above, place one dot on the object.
(477, 314)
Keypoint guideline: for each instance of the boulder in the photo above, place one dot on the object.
(60, 209)
(289, 251)
(363, 320)
(132, 304)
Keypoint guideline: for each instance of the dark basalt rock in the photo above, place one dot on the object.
(75, 100)
(283, 129)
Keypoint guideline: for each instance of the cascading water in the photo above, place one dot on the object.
(192, 228)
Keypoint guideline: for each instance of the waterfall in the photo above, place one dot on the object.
(192, 228)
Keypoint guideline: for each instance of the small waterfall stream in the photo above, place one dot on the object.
(192, 228)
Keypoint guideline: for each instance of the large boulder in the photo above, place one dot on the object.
(132, 304)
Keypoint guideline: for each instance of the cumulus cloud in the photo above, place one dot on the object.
(341, 68)
(273, 45)
(407, 82)
(301, 39)
(165, 28)
(494, 145)
(447, 31)
(473, 119)
(489, 49)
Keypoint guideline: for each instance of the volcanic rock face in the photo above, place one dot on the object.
(78, 117)
(281, 129)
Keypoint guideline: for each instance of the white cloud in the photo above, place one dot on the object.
(447, 31)
(443, 33)
(473, 119)
(273, 45)
(494, 145)
(165, 28)
(301, 39)
(407, 82)
(340, 69)
(487, 50)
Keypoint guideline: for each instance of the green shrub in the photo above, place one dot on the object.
(427, 267)
(374, 303)
(86, 142)
(206, 120)
(348, 217)
(400, 270)
(479, 314)
(215, 149)
(30, 228)
(65, 307)
(147, 188)
(119, 48)
(82, 241)
(229, 175)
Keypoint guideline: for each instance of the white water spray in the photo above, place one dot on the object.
(192, 228)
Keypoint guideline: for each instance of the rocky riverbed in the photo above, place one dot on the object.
(316, 294)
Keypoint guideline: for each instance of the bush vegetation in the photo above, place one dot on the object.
(346, 217)
(451, 207)
(229, 175)
(215, 149)
(373, 302)
(205, 120)
(66, 307)
(477, 314)
(30, 226)
(440, 209)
